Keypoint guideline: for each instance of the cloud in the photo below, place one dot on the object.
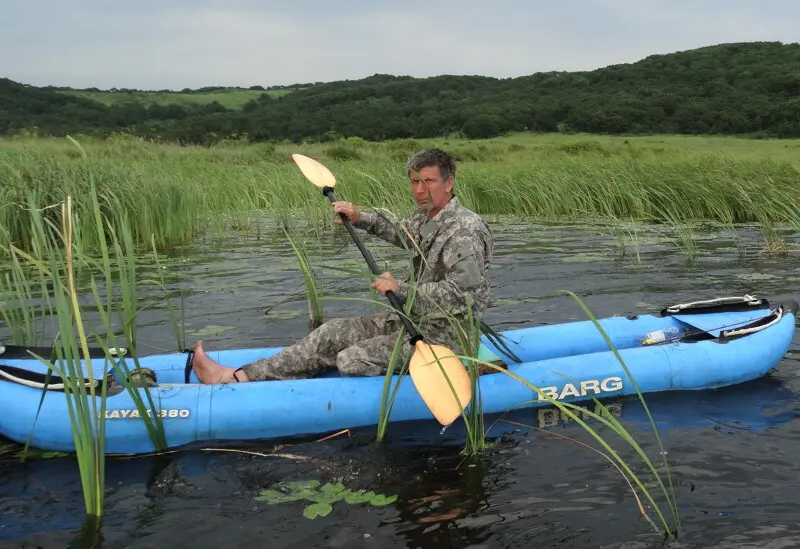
(152, 44)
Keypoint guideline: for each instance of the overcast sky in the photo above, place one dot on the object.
(156, 44)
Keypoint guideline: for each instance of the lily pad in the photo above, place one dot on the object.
(265, 494)
(315, 510)
(299, 485)
(359, 497)
(332, 488)
(381, 499)
(310, 495)
(330, 493)
(273, 497)
(326, 497)
(322, 498)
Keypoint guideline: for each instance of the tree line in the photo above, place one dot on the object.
(741, 89)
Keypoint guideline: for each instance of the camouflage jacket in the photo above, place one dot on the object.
(451, 256)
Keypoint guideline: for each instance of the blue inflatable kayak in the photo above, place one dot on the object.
(693, 346)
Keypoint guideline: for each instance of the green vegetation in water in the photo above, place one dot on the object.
(542, 178)
(323, 498)
(91, 301)
(8, 450)
(13, 451)
(395, 374)
(313, 293)
(469, 332)
(169, 195)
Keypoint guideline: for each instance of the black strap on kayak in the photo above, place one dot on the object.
(49, 380)
(187, 370)
(23, 351)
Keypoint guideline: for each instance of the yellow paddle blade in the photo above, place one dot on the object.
(315, 172)
(428, 375)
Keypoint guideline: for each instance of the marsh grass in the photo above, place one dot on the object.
(395, 372)
(313, 292)
(91, 302)
(469, 332)
(177, 319)
(626, 237)
(170, 194)
(59, 264)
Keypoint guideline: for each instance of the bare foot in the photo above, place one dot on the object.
(210, 372)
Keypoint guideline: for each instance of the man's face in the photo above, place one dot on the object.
(430, 191)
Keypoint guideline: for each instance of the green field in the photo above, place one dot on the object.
(232, 98)
(171, 193)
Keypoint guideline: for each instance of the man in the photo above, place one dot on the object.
(453, 248)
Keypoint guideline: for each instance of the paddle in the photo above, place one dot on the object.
(427, 374)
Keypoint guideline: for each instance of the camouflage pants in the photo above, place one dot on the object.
(359, 346)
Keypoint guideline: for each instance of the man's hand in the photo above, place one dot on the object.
(347, 209)
(385, 283)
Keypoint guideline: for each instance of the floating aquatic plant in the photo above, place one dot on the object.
(322, 497)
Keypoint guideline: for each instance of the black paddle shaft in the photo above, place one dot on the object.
(415, 336)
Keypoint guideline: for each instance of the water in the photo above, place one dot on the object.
(733, 451)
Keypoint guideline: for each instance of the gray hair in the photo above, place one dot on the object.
(432, 157)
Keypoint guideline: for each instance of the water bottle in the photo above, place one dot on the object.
(660, 336)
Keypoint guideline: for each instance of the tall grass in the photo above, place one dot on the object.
(313, 293)
(395, 372)
(468, 331)
(169, 194)
(92, 302)
(59, 266)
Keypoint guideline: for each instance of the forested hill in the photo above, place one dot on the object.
(747, 88)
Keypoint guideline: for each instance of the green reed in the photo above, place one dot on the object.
(624, 232)
(56, 281)
(170, 194)
(469, 336)
(61, 267)
(178, 324)
(395, 372)
(313, 293)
